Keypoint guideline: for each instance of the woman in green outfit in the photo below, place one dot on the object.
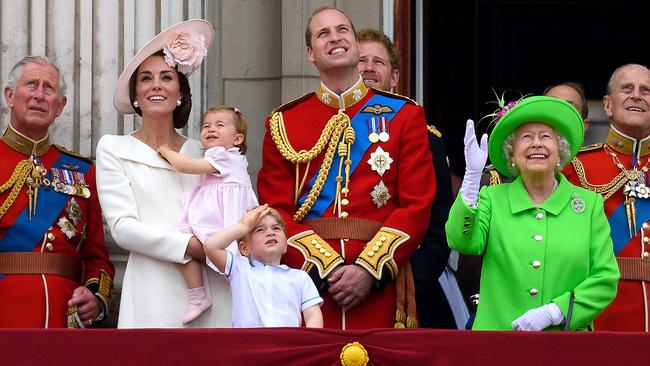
(546, 242)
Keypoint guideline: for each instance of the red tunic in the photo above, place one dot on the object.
(403, 218)
(34, 300)
(629, 310)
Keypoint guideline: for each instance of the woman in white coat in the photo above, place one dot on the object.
(140, 193)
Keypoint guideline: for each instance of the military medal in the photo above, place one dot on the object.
(577, 204)
(384, 136)
(380, 161)
(372, 130)
(69, 182)
(380, 194)
(74, 211)
(67, 227)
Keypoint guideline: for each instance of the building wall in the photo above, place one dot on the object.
(257, 62)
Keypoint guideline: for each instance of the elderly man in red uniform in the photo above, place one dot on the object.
(350, 170)
(618, 169)
(54, 267)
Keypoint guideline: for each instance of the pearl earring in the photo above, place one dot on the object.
(178, 103)
(558, 164)
(136, 104)
(512, 164)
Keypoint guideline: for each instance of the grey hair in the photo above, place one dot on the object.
(17, 71)
(563, 147)
(612, 78)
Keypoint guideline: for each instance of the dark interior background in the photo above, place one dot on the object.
(474, 46)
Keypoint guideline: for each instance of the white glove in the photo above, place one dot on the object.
(475, 158)
(539, 318)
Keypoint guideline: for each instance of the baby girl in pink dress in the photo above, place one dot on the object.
(222, 196)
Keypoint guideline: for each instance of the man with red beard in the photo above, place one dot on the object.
(617, 169)
(379, 63)
(349, 169)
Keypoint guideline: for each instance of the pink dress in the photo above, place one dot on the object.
(221, 199)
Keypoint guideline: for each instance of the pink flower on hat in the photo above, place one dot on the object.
(186, 51)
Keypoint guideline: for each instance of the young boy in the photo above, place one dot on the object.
(264, 292)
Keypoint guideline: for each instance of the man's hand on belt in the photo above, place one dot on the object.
(88, 306)
(349, 285)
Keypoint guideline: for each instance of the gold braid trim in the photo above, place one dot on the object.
(495, 178)
(379, 252)
(16, 181)
(316, 252)
(330, 135)
(606, 190)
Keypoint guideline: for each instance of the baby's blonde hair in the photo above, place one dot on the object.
(241, 123)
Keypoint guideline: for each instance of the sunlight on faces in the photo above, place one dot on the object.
(219, 129)
(36, 101)
(374, 66)
(628, 105)
(333, 42)
(535, 148)
(267, 242)
(157, 87)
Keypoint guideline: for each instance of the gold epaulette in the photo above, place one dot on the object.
(291, 103)
(316, 251)
(433, 130)
(380, 250)
(592, 147)
(72, 153)
(394, 95)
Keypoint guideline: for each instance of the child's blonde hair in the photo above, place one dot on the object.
(241, 123)
(274, 214)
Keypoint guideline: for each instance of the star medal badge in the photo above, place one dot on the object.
(372, 129)
(380, 194)
(577, 204)
(66, 226)
(380, 161)
(74, 211)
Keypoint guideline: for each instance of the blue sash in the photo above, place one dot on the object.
(361, 143)
(618, 223)
(23, 235)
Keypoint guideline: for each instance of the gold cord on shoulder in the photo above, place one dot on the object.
(15, 182)
(330, 135)
(606, 190)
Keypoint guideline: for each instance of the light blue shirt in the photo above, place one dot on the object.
(267, 295)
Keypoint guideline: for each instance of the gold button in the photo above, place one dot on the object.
(371, 253)
(646, 254)
(536, 264)
(538, 237)
(345, 190)
(382, 238)
(344, 214)
(539, 216)
(328, 254)
(322, 250)
(645, 226)
(50, 236)
(318, 246)
(375, 248)
(49, 247)
(344, 202)
(314, 241)
(533, 292)
(646, 240)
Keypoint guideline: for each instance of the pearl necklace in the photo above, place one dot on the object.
(538, 205)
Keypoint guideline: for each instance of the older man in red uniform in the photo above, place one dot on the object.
(54, 267)
(350, 170)
(618, 169)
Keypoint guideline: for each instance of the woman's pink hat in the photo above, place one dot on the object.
(184, 44)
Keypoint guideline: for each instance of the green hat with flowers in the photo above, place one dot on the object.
(557, 113)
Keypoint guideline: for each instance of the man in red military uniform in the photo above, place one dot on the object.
(54, 267)
(350, 170)
(617, 169)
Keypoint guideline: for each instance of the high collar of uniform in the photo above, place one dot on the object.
(24, 144)
(349, 97)
(627, 145)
